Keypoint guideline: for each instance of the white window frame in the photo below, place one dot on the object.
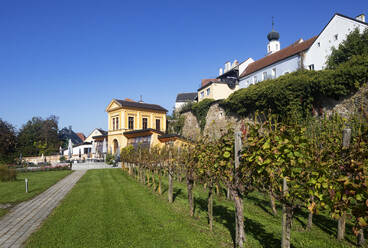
(264, 75)
(273, 72)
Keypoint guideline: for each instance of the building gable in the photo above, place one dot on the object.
(113, 105)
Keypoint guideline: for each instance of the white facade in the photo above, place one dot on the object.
(84, 149)
(179, 105)
(95, 132)
(244, 65)
(315, 57)
(273, 71)
(333, 34)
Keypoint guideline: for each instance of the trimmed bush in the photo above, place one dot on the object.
(7, 174)
(300, 91)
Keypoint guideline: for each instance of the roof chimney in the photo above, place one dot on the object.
(70, 129)
(221, 71)
(140, 100)
(235, 63)
(360, 17)
(227, 66)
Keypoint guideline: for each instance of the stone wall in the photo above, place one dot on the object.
(347, 105)
(217, 120)
(191, 129)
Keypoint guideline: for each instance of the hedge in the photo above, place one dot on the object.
(300, 90)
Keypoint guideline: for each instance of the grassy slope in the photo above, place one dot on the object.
(109, 209)
(14, 192)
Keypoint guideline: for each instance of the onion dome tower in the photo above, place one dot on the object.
(273, 40)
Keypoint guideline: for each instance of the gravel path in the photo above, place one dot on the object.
(25, 218)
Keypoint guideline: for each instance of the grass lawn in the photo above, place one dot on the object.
(108, 208)
(14, 192)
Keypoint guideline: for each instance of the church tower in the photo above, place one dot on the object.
(273, 40)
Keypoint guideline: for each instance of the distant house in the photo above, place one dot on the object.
(225, 84)
(80, 151)
(308, 54)
(96, 138)
(96, 132)
(184, 98)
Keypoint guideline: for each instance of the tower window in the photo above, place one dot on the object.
(131, 122)
(115, 123)
(336, 36)
(311, 67)
(208, 91)
(144, 123)
(255, 79)
(158, 124)
(319, 44)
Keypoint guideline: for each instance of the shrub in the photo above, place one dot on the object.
(7, 174)
(110, 159)
(200, 110)
(62, 159)
(300, 91)
(356, 43)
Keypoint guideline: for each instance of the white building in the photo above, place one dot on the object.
(310, 54)
(184, 98)
(83, 149)
(332, 35)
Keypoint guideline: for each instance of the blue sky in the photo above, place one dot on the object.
(70, 58)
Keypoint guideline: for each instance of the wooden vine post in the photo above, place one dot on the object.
(170, 190)
(346, 136)
(238, 200)
(286, 217)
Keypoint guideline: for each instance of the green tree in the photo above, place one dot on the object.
(356, 43)
(7, 142)
(39, 136)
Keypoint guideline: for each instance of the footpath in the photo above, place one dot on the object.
(26, 217)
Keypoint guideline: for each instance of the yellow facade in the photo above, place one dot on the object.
(120, 116)
(215, 91)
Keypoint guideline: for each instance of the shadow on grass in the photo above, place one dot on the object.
(263, 204)
(226, 217)
(328, 225)
(176, 193)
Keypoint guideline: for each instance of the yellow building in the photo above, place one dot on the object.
(134, 122)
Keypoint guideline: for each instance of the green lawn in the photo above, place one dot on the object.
(14, 192)
(107, 208)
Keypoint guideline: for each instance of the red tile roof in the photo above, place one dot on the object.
(81, 136)
(208, 80)
(291, 50)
